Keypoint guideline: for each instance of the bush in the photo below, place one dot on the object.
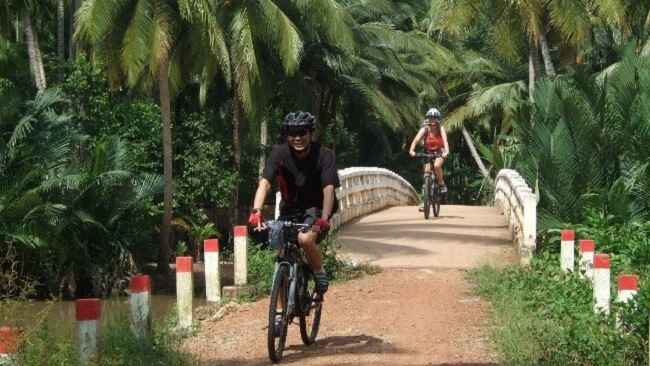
(543, 316)
(261, 264)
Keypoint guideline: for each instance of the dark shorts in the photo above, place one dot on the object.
(426, 160)
(309, 216)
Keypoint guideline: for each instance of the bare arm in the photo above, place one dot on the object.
(328, 201)
(260, 195)
(415, 141)
(443, 133)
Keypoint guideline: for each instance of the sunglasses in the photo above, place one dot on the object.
(294, 133)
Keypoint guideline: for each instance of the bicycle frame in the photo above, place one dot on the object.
(293, 258)
(432, 196)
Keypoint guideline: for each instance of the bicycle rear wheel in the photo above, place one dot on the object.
(435, 193)
(277, 335)
(427, 196)
(311, 305)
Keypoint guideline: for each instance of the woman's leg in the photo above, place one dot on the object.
(437, 167)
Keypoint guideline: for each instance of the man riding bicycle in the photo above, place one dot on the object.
(307, 175)
(435, 142)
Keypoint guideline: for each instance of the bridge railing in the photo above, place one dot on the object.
(519, 204)
(364, 190)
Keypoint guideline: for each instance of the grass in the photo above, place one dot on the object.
(541, 316)
(261, 262)
(117, 344)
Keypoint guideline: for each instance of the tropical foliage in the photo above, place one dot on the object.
(198, 88)
(582, 144)
(75, 217)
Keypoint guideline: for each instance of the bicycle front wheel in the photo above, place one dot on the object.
(311, 305)
(278, 315)
(436, 200)
(427, 196)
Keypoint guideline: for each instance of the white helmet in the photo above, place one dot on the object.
(433, 112)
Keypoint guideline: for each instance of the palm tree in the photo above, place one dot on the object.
(60, 34)
(22, 12)
(581, 144)
(141, 41)
(256, 29)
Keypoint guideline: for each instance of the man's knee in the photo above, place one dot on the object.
(307, 239)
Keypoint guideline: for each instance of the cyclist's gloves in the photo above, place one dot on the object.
(323, 225)
(255, 218)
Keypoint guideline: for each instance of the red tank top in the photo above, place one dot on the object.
(433, 143)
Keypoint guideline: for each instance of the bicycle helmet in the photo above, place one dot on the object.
(299, 118)
(433, 112)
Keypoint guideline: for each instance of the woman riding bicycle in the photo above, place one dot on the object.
(435, 141)
(307, 174)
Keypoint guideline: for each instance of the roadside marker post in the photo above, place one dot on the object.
(586, 262)
(212, 273)
(140, 304)
(88, 312)
(184, 291)
(601, 283)
(567, 249)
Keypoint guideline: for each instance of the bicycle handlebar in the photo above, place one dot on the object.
(288, 224)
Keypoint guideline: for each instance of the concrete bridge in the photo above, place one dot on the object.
(385, 228)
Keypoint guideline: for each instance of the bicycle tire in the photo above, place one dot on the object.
(436, 199)
(311, 306)
(279, 300)
(427, 196)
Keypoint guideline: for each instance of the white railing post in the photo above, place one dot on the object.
(518, 203)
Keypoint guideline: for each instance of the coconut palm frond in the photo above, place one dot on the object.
(280, 31)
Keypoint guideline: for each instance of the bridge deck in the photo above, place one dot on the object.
(462, 237)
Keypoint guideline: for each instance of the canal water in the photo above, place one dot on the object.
(61, 315)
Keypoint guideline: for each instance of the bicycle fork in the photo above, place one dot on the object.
(293, 270)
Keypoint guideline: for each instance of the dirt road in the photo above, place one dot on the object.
(420, 314)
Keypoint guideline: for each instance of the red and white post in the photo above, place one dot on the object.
(212, 274)
(10, 345)
(601, 283)
(586, 263)
(140, 305)
(184, 291)
(628, 286)
(241, 239)
(567, 250)
(88, 314)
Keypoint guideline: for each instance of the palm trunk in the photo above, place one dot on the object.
(472, 148)
(546, 55)
(74, 6)
(333, 128)
(533, 67)
(33, 52)
(237, 158)
(264, 136)
(475, 155)
(60, 22)
(165, 111)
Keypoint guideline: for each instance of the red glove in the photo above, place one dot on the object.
(322, 224)
(255, 218)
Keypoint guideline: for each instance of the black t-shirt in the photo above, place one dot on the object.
(302, 180)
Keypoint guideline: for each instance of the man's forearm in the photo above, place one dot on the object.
(260, 194)
(328, 201)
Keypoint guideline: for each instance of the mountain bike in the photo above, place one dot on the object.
(292, 293)
(431, 189)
